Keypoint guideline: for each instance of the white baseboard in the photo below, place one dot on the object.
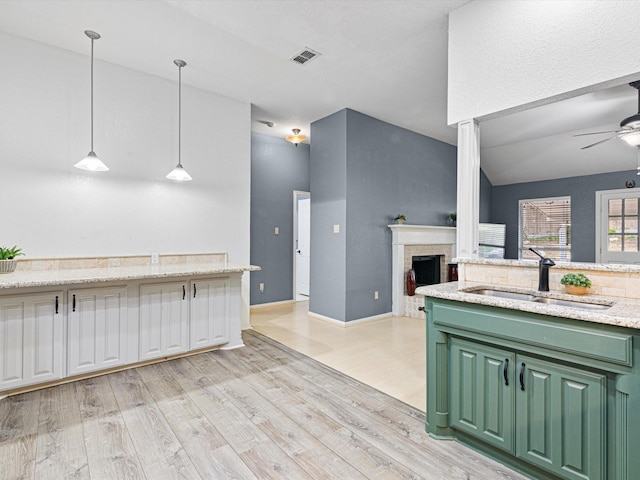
(271, 304)
(350, 323)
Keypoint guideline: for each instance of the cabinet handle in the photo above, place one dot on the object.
(522, 376)
(74, 302)
(505, 372)
(56, 304)
(184, 292)
(194, 290)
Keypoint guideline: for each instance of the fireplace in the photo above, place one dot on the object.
(410, 241)
(427, 269)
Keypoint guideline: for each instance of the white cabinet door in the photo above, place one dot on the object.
(209, 319)
(97, 337)
(31, 339)
(164, 320)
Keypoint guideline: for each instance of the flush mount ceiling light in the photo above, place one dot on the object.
(296, 138)
(179, 174)
(91, 162)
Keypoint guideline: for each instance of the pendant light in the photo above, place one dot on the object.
(179, 174)
(91, 162)
(296, 138)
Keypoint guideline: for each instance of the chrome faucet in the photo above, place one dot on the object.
(543, 274)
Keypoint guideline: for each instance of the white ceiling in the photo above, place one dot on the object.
(384, 58)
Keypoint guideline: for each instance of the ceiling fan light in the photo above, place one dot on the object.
(179, 174)
(91, 163)
(632, 138)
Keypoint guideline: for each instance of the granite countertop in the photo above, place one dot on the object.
(41, 278)
(623, 312)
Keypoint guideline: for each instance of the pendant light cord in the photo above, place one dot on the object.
(179, 115)
(92, 94)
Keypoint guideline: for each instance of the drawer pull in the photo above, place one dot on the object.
(194, 290)
(56, 304)
(184, 292)
(505, 372)
(522, 376)
(74, 302)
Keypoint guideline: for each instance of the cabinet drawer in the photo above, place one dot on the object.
(553, 333)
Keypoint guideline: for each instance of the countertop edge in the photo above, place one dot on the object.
(623, 312)
(26, 279)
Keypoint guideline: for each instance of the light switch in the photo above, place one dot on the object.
(375, 295)
(277, 230)
(336, 229)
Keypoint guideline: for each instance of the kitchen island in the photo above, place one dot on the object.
(64, 319)
(550, 390)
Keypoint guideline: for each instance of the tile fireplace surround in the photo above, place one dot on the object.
(413, 240)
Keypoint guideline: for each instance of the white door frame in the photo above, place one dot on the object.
(297, 194)
(602, 219)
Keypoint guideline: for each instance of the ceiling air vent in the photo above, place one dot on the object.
(304, 56)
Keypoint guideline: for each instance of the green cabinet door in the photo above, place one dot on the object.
(560, 418)
(483, 392)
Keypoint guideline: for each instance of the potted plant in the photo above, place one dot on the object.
(453, 217)
(576, 283)
(8, 260)
(400, 218)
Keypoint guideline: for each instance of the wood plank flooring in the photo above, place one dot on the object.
(388, 354)
(259, 412)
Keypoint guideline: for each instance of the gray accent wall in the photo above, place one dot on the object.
(505, 198)
(328, 180)
(486, 190)
(277, 169)
(363, 173)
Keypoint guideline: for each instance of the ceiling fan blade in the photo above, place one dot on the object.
(598, 143)
(597, 133)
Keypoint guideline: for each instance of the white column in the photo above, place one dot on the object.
(468, 209)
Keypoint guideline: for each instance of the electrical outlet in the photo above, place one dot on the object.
(262, 288)
(336, 229)
(375, 295)
(154, 258)
(276, 230)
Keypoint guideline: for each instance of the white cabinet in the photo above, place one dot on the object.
(210, 312)
(164, 320)
(31, 339)
(97, 336)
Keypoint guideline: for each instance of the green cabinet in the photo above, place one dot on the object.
(560, 416)
(547, 414)
(548, 395)
(482, 392)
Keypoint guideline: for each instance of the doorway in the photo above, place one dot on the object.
(301, 244)
(617, 217)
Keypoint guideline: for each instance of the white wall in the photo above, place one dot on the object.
(51, 209)
(508, 54)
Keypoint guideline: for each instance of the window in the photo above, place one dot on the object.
(623, 225)
(545, 225)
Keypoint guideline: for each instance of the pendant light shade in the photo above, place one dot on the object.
(296, 138)
(179, 174)
(91, 162)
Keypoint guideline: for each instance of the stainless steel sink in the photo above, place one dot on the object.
(571, 303)
(510, 295)
(526, 297)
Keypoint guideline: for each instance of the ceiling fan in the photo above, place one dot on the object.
(629, 127)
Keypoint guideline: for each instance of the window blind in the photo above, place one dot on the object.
(545, 225)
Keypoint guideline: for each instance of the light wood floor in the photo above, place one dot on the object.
(259, 412)
(388, 354)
